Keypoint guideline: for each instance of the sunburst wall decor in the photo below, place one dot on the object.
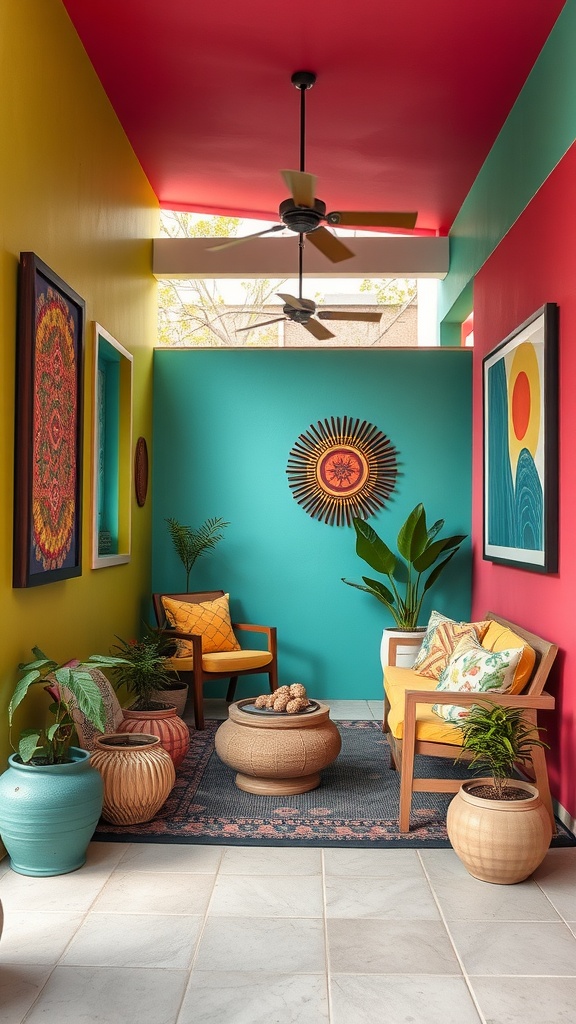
(341, 468)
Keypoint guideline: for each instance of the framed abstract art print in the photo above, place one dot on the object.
(520, 378)
(48, 436)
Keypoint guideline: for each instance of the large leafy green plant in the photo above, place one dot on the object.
(69, 686)
(498, 738)
(190, 543)
(419, 549)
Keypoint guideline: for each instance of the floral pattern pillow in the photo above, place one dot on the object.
(473, 669)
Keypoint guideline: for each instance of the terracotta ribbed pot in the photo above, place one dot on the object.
(501, 841)
(173, 733)
(138, 776)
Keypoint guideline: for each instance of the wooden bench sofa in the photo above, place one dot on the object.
(413, 728)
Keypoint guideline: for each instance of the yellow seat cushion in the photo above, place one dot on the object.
(211, 619)
(500, 638)
(428, 725)
(223, 661)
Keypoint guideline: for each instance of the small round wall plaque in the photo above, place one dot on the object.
(141, 470)
(341, 468)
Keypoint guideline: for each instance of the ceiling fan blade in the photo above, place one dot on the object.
(366, 317)
(302, 186)
(320, 332)
(238, 241)
(328, 244)
(357, 219)
(291, 300)
(263, 323)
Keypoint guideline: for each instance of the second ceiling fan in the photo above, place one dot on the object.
(304, 213)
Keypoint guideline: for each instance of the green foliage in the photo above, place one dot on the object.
(391, 291)
(419, 550)
(499, 738)
(194, 312)
(191, 543)
(141, 664)
(69, 687)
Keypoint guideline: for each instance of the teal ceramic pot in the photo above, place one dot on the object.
(48, 813)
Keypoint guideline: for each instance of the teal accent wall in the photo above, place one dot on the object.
(224, 424)
(539, 130)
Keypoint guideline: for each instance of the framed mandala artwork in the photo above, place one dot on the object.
(341, 468)
(48, 441)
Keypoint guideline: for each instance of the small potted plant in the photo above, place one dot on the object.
(50, 796)
(498, 825)
(140, 668)
(192, 542)
(411, 574)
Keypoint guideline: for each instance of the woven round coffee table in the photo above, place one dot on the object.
(277, 754)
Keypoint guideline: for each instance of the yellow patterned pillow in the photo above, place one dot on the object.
(447, 635)
(498, 638)
(209, 618)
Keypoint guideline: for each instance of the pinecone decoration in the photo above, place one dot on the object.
(297, 690)
(283, 691)
(281, 702)
(296, 704)
(261, 701)
(270, 698)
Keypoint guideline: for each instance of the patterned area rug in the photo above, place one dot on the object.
(356, 804)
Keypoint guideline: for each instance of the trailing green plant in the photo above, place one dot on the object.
(69, 687)
(190, 543)
(419, 549)
(141, 665)
(498, 738)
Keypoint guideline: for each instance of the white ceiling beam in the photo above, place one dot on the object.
(382, 256)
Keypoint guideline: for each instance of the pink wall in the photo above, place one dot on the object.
(536, 263)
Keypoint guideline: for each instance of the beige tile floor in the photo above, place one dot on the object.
(152, 934)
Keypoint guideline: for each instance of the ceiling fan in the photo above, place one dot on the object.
(304, 213)
(303, 311)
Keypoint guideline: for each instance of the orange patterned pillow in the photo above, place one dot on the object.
(209, 618)
(445, 639)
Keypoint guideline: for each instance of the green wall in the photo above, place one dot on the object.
(537, 133)
(224, 423)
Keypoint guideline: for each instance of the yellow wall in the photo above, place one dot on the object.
(72, 191)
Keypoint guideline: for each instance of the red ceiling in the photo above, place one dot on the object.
(409, 99)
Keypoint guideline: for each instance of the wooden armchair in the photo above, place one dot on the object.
(407, 739)
(205, 668)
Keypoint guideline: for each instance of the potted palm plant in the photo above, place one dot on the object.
(498, 825)
(50, 796)
(140, 667)
(411, 573)
(190, 543)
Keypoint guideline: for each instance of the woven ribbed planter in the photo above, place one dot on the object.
(172, 732)
(138, 776)
(501, 841)
(176, 695)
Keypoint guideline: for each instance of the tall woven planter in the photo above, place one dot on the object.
(48, 813)
(172, 732)
(501, 841)
(138, 776)
(176, 695)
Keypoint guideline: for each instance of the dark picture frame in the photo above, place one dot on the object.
(520, 428)
(49, 427)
